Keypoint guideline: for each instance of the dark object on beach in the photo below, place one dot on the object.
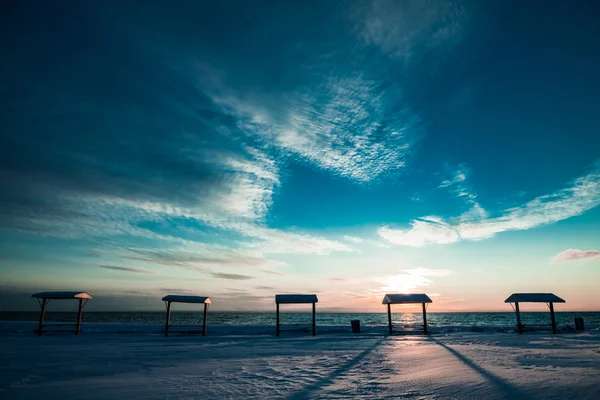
(548, 298)
(578, 323)
(45, 297)
(414, 298)
(355, 325)
(172, 298)
(297, 299)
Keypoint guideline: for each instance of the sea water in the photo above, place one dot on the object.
(434, 319)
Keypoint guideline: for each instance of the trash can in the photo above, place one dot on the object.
(578, 323)
(355, 326)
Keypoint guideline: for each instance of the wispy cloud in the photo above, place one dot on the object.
(235, 277)
(273, 241)
(575, 254)
(262, 287)
(459, 186)
(349, 125)
(94, 253)
(458, 178)
(582, 195)
(271, 272)
(126, 269)
(406, 30)
(353, 239)
(202, 257)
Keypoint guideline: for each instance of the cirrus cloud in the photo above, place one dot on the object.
(581, 196)
(574, 255)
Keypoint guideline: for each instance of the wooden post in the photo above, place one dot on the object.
(277, 328)
(168, 318)
(552, 317)
(314, 322)
(204, 320)
(519, 326)
(390, 318)
(42, 313)
(425, 319)
(78, 328)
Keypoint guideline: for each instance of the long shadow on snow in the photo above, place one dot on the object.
(327, 380)
(509, 391)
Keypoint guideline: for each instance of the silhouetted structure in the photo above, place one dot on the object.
(548, 298)
(186, 299)
(298, 299)
(413, 298)
(44, 298)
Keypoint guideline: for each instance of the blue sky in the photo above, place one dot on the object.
(345, 148)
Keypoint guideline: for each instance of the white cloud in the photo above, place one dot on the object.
(422, 232)
(353, 239)
(582, 195)
(575, 254)
(352, 132)
(238, 204)
(248, 192)
(476, 212)
(457, 179)
(350, 125)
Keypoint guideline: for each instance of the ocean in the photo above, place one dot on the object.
(434, 319)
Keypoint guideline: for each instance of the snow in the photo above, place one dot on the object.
(135, 361)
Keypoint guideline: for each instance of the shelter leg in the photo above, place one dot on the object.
(79, 312)
(425, 320)
(277, 323)
(42, 314)
(389, 310)
(168, 318)
(204, 320)
(552, 317)
(314, 321)
(519, 326)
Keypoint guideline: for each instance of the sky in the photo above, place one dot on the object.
(344, 148)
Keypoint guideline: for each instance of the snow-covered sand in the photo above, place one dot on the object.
(139, 363)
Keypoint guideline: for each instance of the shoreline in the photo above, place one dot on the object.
(223, 330)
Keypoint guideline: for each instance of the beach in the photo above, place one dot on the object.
(136, 361)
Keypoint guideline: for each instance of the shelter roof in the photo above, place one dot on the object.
(411, 298)
(296, 298)
(534, 298)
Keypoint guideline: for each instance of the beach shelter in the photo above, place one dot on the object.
(548, 298)
(44, 298)
(172, 298)
(413, 298)
(298, 299)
